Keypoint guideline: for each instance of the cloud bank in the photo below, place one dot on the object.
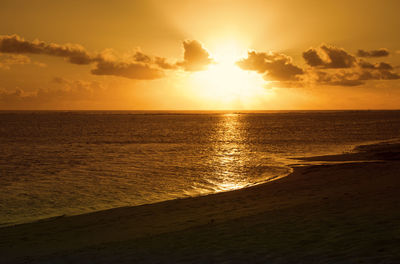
(329, 65)
(139, 66)
(325, 65)
(63, 91)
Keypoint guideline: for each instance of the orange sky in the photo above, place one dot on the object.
(197, 55)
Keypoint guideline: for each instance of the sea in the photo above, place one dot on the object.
(57, 163)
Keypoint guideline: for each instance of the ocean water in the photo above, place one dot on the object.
(66, 163)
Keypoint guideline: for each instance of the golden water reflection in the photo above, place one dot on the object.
(230, 154)
(236, 161)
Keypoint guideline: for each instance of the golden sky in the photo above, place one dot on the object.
(199, 55)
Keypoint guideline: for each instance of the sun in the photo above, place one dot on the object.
(225, 84)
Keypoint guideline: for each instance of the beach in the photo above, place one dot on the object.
(192, 131)
(330, 212)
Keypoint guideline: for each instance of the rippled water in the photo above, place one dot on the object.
(55, 163)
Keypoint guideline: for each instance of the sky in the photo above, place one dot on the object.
(199, 55)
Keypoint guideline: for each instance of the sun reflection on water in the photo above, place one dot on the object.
(230, 155)
(236, 162)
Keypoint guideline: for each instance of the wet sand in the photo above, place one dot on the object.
(331, 213)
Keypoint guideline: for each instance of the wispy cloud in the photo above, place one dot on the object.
(6, 60)
(61, 90)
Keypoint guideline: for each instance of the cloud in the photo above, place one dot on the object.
(195, 57)
(132, 70)
(330, 65)
(329, 57)
(140, 66)
(274, 66)
(6, 60)
(8, 96)
(341, 78)
(162, 63)
(378, 66)
(312, 58)
(62, 91)
(388, 75)
(73, 52)
(373, 53)
(141, 57)
(327, 65)
(352, 77)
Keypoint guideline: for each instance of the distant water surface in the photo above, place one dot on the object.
(56, 163)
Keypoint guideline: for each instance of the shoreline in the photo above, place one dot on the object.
(130, 233)
(50, 218)
(288, 164)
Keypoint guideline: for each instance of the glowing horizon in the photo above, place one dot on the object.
(199, 55)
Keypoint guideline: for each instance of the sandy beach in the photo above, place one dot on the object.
(326, 213)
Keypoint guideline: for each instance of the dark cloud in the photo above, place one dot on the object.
(155, 61)
(338, 78)
(328, 65)
(195, 57)
(353, 77)
(373, 53)
(385, 66)
(72, 52)
(377, 66)
(389, 75)
(132, 70)
(140, 66)
(312, 58)
(335, 66)
(329, 57)
(163, 64)
(141, 57)
(274, 66)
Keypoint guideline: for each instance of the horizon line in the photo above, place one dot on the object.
(195, 110)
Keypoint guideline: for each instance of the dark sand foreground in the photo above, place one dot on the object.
(338, 213)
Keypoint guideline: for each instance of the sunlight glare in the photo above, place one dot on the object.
(225, 83)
